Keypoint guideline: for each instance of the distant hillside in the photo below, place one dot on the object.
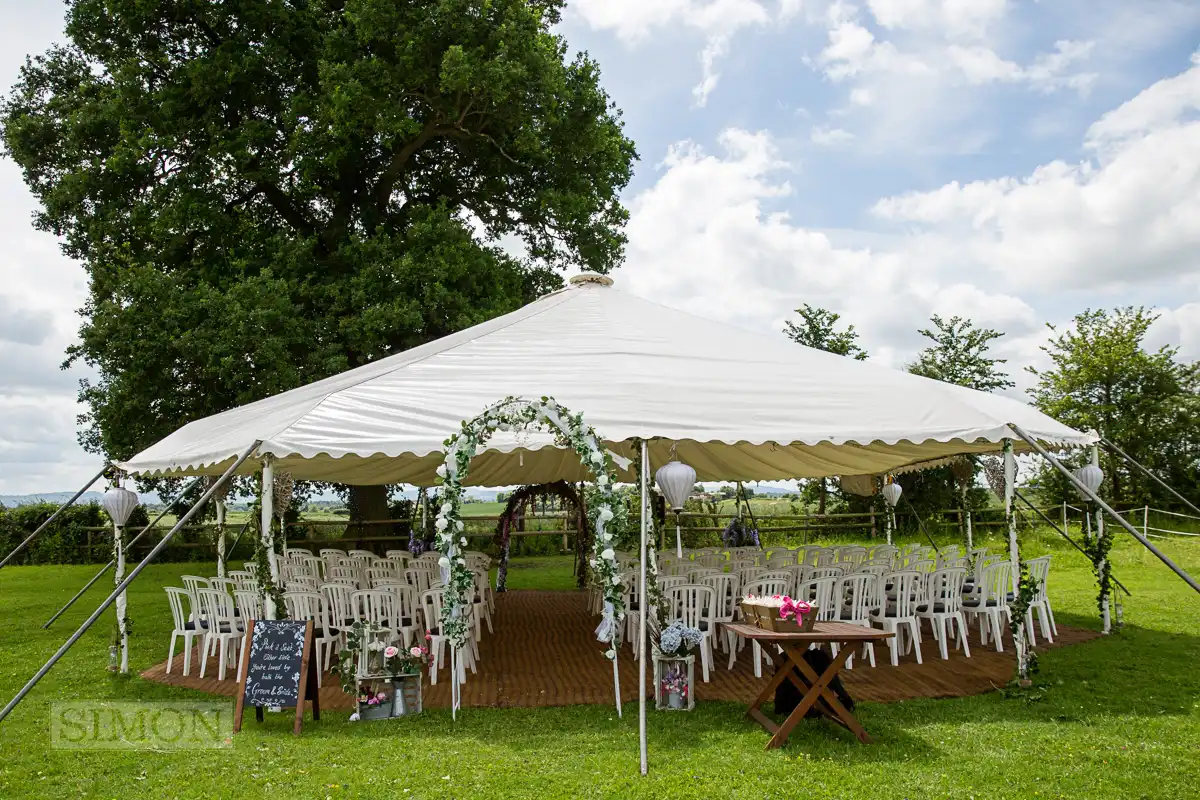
(58, 498)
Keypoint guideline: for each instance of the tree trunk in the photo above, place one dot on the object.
(369, 503)
(822, 492)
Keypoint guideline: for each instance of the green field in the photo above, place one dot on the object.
(1116, 718)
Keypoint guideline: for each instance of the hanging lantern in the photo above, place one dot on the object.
(675, 481)
(964, 471)
(1090, 476)
(120, 503)
(891, 493)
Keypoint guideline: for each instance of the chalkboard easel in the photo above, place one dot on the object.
(279, 668)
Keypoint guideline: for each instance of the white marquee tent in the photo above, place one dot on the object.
(737, 405)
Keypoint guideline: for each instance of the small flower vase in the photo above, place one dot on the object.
(675, 701)
(114, 658)
(368, 711)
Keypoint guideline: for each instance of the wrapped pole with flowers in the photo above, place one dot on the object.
(515, 414)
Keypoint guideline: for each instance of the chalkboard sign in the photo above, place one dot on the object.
(279, 669)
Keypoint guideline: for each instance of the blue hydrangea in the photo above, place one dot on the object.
(676, 636)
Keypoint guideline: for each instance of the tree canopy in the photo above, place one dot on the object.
(1146, 402)
(266, 193)
(958, 355)
(818, 328)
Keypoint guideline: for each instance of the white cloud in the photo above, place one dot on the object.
(853, 51)
(1126, 217)
(830, 137)
(951, 18)
(707, 237)
(633, 21)
(1177, 327)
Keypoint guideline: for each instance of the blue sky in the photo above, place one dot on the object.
(1011, 161)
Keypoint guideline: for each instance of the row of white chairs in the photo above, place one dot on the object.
(852, 593)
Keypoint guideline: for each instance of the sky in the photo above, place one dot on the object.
(1010, 161)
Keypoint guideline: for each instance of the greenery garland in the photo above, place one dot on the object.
(570, 431)
(267, 587)
(1098, 548)
(652, 596)
(1027, 590)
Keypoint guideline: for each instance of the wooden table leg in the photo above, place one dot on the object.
(754, 712)
(816, 688)
(829, 698)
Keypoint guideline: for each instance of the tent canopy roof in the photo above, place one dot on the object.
(737, 405)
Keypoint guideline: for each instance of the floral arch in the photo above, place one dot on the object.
(512, 414)
(517, 501)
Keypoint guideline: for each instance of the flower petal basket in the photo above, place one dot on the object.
(764, 612)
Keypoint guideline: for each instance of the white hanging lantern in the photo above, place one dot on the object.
(891, 493)
(120, 503)
(1090, 476)
(675, 480)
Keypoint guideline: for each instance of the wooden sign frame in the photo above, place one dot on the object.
(307, 690)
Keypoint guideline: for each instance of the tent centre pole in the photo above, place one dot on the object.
(1014, 553)
(267, 501)
(1105, 615)
(644, 607)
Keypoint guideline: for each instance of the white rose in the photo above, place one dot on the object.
(463, 541)
(444, 562)
(446, 508)
(441, 523)
(610, 654)
(608, 554)
(597, 457)
(616, 580)
(602, 480)
(441, 470)
(607, 537)
(458, 525)
(606, 514)
(550, 404)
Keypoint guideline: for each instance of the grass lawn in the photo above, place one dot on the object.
(1117, 718)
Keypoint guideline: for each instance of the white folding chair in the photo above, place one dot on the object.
(695, 604)
(988, 602)
(1039, 571)
(186, 624)
(943, 607)
(223, 629)
(898, 612)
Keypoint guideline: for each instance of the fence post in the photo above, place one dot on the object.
(1145, 520)
(1064, 515)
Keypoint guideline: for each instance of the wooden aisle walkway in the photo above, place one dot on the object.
(544, 653)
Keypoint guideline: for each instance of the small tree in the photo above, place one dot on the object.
(1146, 402)
(958, 355)
(817, 329)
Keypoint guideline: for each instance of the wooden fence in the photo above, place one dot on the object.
(366, 535)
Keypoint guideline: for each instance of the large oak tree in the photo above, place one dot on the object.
(267, 192)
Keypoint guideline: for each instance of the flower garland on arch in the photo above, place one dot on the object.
(517, 414)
